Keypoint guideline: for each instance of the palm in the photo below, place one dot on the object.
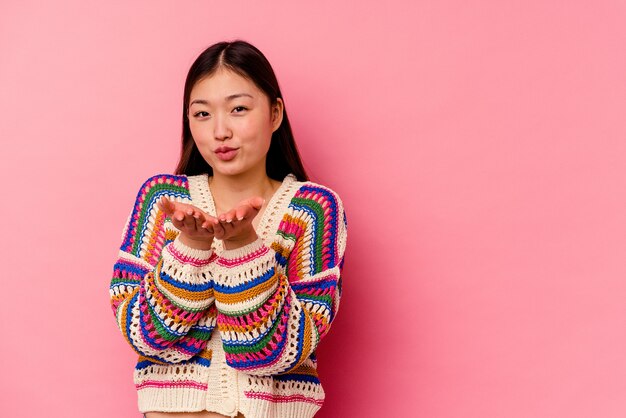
(235, 225)
(188, 219)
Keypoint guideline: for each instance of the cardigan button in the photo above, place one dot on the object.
(230, 406)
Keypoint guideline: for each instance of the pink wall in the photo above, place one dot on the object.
(478, 147)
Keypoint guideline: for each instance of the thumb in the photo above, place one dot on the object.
(257, 202)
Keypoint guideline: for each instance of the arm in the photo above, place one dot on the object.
(159, 292)
(276, 303)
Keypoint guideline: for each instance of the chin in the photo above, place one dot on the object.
(232, 170)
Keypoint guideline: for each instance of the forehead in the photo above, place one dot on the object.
(221, 84)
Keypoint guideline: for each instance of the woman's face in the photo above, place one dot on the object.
(232, 122)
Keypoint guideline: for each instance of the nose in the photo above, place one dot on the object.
(221, 129)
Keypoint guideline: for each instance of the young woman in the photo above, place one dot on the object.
(229, 272)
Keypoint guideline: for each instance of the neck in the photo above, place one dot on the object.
(228, 191)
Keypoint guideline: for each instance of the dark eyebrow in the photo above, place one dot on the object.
(228, 98)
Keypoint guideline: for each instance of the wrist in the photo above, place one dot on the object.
(234, 243)
(194, 243)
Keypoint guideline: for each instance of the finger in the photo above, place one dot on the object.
(164, 205)
(170, 205)
(228, 227)
(247, 211)
(180, 219)
(241, 213)
(218, 230)
(189, 220)
(178, 215)
(209, 221)
(173, 207)
(228, 216)
(197, 214)
(203, 225)
(207, 229)
(256, 202)
(177, 218)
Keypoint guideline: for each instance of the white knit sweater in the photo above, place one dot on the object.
(230, 330)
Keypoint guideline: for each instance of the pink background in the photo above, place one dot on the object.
(478, 147)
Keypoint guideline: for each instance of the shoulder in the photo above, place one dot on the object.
(320, 201)
(145, 209)
(159, 184)
(322, 211)
(145, 221)
(318, 193)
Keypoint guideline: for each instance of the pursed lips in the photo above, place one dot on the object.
(224, 149)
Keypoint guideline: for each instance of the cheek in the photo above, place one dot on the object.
(203, 140)
(196, 131)
(260, 128)
(248, 128)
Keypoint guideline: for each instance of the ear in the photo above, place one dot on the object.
(277, 113)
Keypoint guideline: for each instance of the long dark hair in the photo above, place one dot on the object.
(247, 61)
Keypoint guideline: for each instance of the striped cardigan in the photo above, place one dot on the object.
(230, 330)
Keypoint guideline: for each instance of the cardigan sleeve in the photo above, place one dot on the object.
(275, 303)
(159, 292)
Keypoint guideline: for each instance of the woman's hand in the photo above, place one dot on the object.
(235, 226)
(195, 226)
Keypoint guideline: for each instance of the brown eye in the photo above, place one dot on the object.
(239, 109)
(201, 114)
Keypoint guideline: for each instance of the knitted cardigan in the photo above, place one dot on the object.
(230, 330)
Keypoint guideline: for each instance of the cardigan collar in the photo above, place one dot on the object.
(201, 197)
